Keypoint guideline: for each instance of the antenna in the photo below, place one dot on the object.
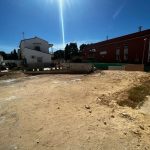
(107, 37)
(140, 28)
(23, 35)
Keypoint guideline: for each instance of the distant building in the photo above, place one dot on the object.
(132, 48)
(35, 52)
(1, 58)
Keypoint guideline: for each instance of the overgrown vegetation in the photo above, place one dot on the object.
(137, 95)
(12, 56)
(71, 53)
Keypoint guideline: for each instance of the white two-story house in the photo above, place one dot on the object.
(35, 52)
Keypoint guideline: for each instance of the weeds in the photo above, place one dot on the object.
(137, 95)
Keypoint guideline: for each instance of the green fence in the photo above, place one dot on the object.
(105, 66)
(147, 68)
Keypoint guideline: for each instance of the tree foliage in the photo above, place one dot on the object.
(59, 54)
(82, 47)
(3, 54)
(12, 56)
(71, 50)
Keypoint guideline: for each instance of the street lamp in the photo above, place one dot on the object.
(144, 50)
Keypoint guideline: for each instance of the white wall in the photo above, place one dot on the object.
(31, 43)
(1, 58)
(28, 53)
(78, 67)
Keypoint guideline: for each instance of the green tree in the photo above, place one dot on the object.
(12, 56)
(74, 49)
(59, 54)
(71, 50)
(67, 52)
(3, 54)
(82, 47)
(15, 54)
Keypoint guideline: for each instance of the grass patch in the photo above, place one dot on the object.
(137, 95)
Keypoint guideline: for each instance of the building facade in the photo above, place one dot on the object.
(35, 52)
(1, 58)
(132, 48)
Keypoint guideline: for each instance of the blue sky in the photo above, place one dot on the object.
(85, 21)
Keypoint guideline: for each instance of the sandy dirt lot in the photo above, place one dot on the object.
(72, 112)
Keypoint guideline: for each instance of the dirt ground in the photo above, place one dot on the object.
(72, 112)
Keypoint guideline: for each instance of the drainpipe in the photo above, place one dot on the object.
(148, 60)
(144, 50)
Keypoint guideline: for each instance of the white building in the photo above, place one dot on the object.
(1, 58)
(35, 52)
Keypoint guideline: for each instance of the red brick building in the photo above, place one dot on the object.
(132, 48)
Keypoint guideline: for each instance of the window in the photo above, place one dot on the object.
(93, 50)
(149, 57)
(39, 59)
(37, 48)
(125, 52)
(103, 53)
(32, 57)
(92, 53)
(118, 54)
